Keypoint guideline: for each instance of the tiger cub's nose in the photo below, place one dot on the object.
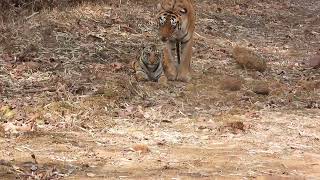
(164, 39)
(152, 58)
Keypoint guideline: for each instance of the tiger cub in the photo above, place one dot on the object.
(149, 65)
(176, 19)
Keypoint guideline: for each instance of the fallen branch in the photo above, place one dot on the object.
(50, 89)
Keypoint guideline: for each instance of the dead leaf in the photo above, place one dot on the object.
(91, 174)
(132, 111)
(140, 148)
(7, 112)
(117, 66)
(10, 128)
(162, 142)
(234, 127)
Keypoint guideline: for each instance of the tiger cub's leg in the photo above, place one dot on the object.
(139, 73)
(169, 66)
(163, 80)
(184, 67)
(141, 76)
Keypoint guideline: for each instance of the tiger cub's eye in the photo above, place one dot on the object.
(173, 22)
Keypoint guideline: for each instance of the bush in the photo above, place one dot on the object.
(11, 9)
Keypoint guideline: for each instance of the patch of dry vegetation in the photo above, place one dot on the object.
(248, 59)
(231, 83)
(68, 94)
(12, 9)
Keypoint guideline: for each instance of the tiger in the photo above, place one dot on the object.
(148, 67)
(176, 22)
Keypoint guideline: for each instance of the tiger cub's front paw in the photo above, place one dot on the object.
(163, 80)
(141, 76)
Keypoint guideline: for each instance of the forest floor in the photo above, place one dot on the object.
(71, 108)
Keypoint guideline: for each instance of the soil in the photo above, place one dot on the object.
(72, 109)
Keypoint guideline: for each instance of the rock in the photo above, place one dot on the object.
(314, 62)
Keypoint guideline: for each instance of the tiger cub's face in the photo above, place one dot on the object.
(151, 57)
(173, 18)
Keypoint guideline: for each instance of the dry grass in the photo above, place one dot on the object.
(68, 95)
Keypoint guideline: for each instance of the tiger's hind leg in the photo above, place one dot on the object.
(184, 67)
(169, 67)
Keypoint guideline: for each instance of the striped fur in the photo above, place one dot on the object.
(149, 65)
(176, 27)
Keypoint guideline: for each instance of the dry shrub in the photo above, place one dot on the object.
(37, 5)
(231, 83)
(248, 59)
(261, 87)
(308, 86)
(13, 9)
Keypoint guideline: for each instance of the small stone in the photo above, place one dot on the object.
(314, 62)
(34, 167)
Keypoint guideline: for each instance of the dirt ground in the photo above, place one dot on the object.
(71, 108)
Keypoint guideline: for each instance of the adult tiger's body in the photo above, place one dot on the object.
(149, 64)
(176, 27)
